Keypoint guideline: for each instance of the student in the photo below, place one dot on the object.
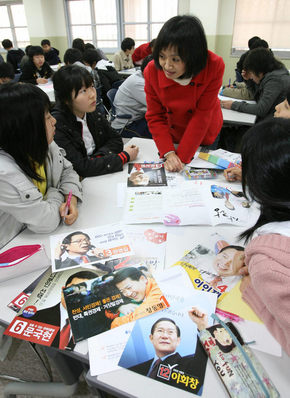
(282, 110)
(181, 91)
(51, 54)
(101, 53)
(79, 44)
(37, 70)
(25, 57)
(6, 72)
(131, 99)
(142, 52)
(123, 58)
(35, 178)
(266, 148)
(72, 55)
(271, 80)
(92, 146)
(14, 55)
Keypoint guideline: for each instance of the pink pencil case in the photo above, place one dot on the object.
(21, 260)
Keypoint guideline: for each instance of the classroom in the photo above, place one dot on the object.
(151, 176)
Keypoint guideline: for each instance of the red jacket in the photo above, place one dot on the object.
(141, 52)
(189, 115)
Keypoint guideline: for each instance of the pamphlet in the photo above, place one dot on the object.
(146, 175)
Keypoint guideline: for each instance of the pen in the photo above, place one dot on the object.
(67, 205)
(229, 82)
(230, 315)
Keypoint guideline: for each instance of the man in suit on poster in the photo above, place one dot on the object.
(165, 337)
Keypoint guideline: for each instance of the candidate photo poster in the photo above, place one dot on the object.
(146, 175)
(95, 248)
(171, 337)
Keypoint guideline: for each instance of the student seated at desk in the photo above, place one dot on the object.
(35, 178)
(14, 55)
(181, 88)
(36, 70)
(123, 58)
(92, 146)
(51, 54)
(268, 79)
(266, 289)
(130, 99)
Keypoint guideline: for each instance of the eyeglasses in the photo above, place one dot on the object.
(80, 241)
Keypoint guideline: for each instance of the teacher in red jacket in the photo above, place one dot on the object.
(181, 86)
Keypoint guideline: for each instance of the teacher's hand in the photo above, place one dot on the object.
(173, 163)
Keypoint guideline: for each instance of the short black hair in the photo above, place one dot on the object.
(72, 55)
(6, 70)
(67, 239)
(24, 136)
(252, 40)
(261, 60)
(6, 43)
(81, 275)
(127, 44)
(238, 248)
(79, 44)
(259, 43)
(67, 79)
(90, 56)
(27, 49)
(44, 42)
(186, 34)
(167, 320)
(89, 45)
(35, 50)
(145, 62)
(130, 272)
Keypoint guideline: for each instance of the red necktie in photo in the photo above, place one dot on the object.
(64, 336)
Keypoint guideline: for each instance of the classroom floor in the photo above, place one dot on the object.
(22, 362)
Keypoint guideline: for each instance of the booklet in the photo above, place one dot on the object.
(96, 248)
(221, 158)
(106, 302)
(146, 175)
(166, 347)
(214, 268)
(43, 319)
(190, 203)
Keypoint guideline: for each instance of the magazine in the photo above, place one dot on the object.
(146, 175)
(166, 347)
(112, 300)
(190, 203)
(222, 158)
(95, 248)
(214, 268)
(44, 319)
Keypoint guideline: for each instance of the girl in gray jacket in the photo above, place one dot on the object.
(35, 178)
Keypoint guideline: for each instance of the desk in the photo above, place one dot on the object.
(235, 117)
(100, 208)
(48, 89)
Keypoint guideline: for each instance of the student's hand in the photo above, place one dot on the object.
(128, 308)
(72, 214)
(244, 271)
(132, 150)
(198, 317)
(41, 80)
(59, 250)
(246, 281)
(233, 174)
(173, 163)
(226, 104)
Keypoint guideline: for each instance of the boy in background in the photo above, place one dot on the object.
(51, 54)
(14, 55)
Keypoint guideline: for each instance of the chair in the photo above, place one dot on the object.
(113, 115)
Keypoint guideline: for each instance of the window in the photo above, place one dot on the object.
(268, 19)
(105, 24)
(13, 23)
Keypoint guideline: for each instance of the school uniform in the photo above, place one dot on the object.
(189, 115)
(30, 73)
(52, 56)
(108, 155)
(14, 57)
(122, 61)
(23, 205)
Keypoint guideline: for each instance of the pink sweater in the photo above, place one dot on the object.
(268, 259)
